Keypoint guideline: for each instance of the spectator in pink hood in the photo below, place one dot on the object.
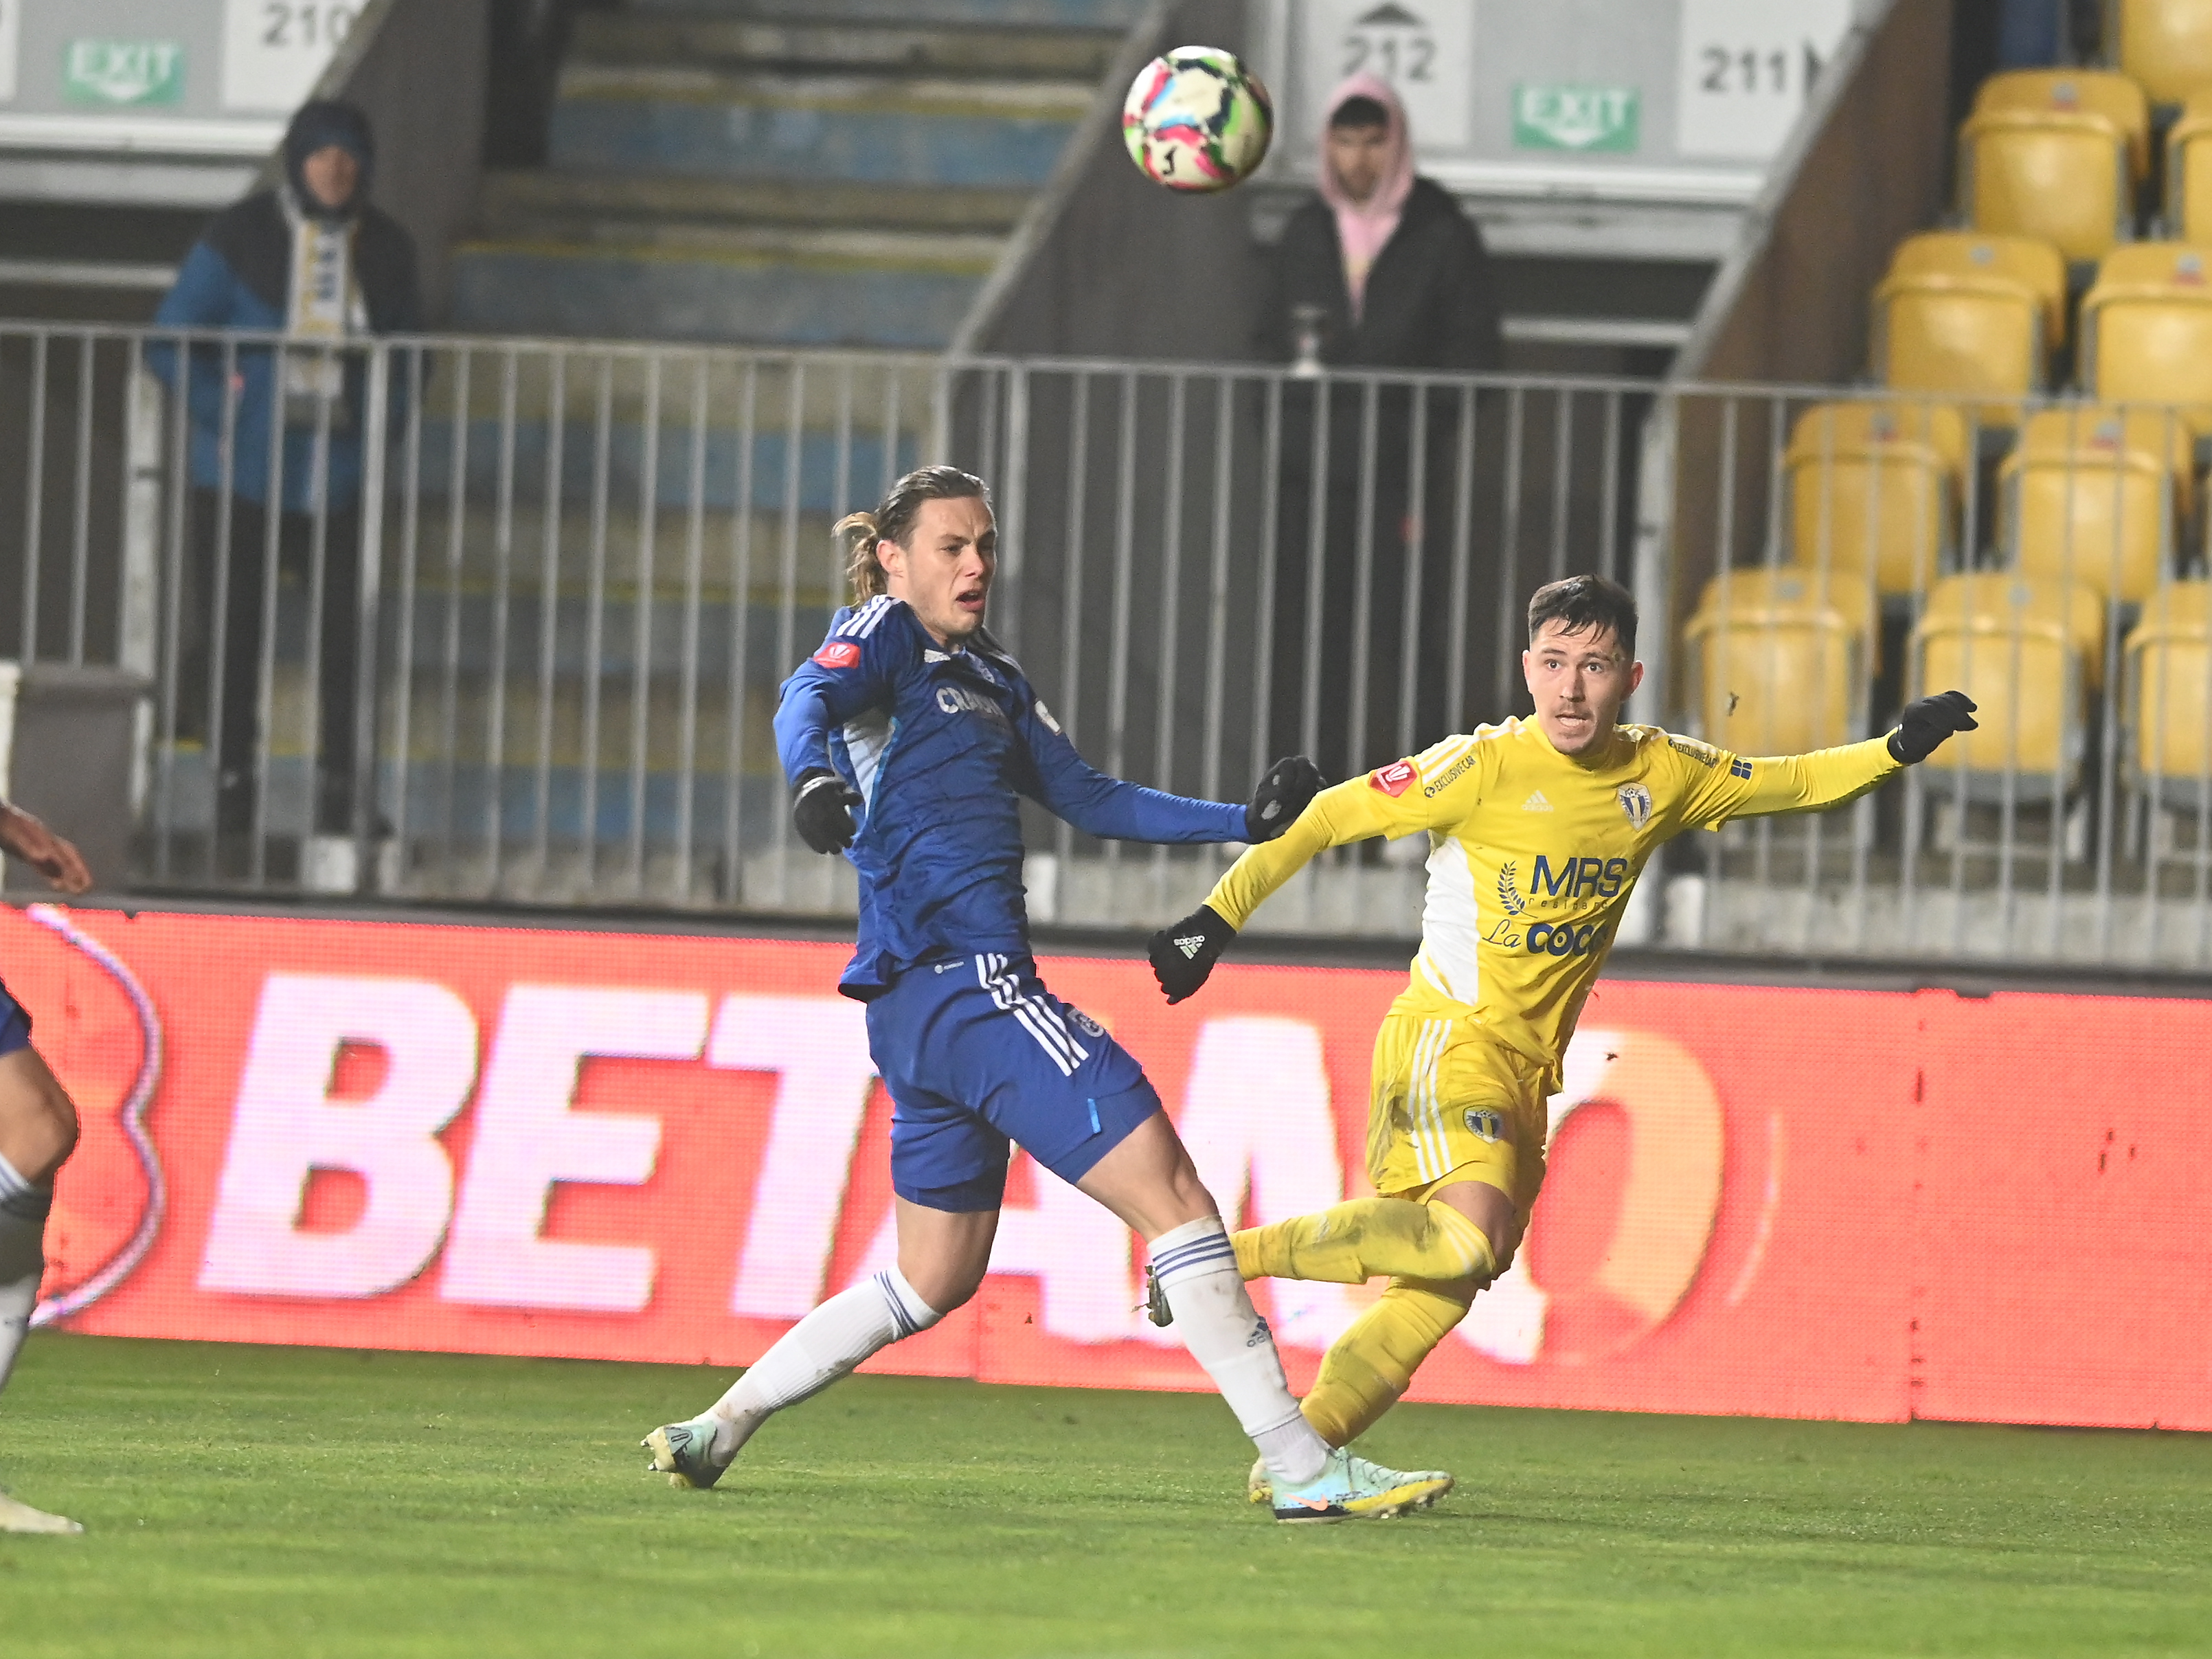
(1379, 269)
(1396, 269)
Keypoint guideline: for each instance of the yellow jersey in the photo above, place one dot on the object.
(1533, 854)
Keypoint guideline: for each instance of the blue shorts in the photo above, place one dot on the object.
(15, 1024)
(977, 1053)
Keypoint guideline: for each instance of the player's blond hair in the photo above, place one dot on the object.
(893, 521)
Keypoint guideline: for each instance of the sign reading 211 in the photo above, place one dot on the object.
(1747, 68)
(1422, 48)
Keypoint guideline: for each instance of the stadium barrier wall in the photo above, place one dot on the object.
(592, 564)
(1780, 1202)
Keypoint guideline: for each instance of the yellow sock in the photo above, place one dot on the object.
(1368, 1367)
(1366, 1238)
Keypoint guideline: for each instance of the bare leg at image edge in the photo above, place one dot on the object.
(37, 1131)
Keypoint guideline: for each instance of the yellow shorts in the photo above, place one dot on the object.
(1448, 1104)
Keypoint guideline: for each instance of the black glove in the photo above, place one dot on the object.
(1922, 726)
(1281, 796)
(821, 808)
(1183, 955)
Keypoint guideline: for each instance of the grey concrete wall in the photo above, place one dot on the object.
(418, 67)
(1790, 306)
(1791, 303)
(1110, 263)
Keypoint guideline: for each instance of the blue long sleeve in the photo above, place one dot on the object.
(803, 720)
(1114, 809)
(206, 294)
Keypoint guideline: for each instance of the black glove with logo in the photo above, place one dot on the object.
(822, 809)
(1922, 726)
(1281, 796)
(1183, 955)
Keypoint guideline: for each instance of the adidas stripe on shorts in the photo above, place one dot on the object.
(977, 1053)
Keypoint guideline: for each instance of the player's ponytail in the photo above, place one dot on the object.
(893, 521)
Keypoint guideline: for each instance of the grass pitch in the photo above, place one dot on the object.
(254, 1501)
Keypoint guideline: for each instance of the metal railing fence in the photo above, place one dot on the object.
(503, 619)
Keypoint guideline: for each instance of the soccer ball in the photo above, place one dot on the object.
(1197, 120)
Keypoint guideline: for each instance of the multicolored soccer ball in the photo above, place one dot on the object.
(1197, 120)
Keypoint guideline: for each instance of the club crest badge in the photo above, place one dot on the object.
(1484, 1125)
(1636, 801)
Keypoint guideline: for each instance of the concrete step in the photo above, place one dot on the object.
(899, 45)
(827, 296)
(869, 130)
(542, 203)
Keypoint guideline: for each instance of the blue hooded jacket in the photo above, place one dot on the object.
(238, 276)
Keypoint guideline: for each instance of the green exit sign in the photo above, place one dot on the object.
(1584, 119)
(123, 72)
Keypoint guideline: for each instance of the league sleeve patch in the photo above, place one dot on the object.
(1044, 716)
(1395, 779)
(839, 653)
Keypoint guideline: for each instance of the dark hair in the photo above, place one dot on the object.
(1586, 604)
(1359, 111)
(893, 521)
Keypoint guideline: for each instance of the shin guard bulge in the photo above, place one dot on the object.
(1366, 1238)
(826, 1345)
(23, 1210)
(1195, 1268)
(1367, 1367)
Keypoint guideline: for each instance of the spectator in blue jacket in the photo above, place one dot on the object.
(312, 260)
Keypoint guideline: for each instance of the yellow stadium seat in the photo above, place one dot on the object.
(1780, 658)
(2106, 93)
(2164, 45)
(2097, 495)
(1982, 337)
(2028, 260)
(2169, 691)
(2027, 650)
(1875, 486)
(2189, 171)
(2147, 329)
(2064, 177)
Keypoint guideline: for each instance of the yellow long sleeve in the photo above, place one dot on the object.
(1345, 812)
(1763, 787)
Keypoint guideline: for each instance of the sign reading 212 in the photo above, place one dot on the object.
(1424, 49)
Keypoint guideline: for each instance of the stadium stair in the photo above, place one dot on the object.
(848, 175)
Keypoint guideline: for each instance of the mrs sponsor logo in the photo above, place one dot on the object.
(1575, 878)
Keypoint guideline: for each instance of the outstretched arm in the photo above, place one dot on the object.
(1114, 809)
(1737, 786)
(1348, 812)
(1394, 801)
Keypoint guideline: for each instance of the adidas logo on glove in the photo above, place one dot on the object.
(1190, 945)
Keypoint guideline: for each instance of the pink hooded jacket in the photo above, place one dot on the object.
(1364, 228)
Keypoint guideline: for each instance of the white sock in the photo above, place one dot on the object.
(22, 1258)
(818, 1350)
(1195, 1266)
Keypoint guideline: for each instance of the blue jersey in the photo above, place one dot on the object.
(941, 742)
